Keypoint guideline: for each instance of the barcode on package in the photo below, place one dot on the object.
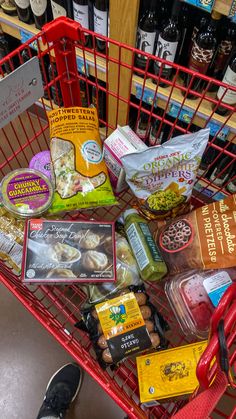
(137, 247)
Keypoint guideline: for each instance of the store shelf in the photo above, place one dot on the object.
(204, 111)
(12, 26)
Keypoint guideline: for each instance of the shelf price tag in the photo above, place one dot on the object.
(206, 5)
(232, 13)
(147, 96)
(25, 36)
(215, 127)
(208, 192)
(185, 115)
(82, 66)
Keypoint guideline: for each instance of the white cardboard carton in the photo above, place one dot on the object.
(121, 142)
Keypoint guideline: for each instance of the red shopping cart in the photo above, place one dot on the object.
(72, 63)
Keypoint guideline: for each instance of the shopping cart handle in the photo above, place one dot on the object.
(224, 304)
(62, 27)
(226, 310)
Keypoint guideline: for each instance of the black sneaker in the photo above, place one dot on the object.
(61, 391)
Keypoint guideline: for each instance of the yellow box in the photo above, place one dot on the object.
(169, 373)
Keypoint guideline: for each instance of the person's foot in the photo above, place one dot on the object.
(61, 391)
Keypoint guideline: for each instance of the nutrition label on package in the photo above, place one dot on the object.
(137, 247)
(216, 285)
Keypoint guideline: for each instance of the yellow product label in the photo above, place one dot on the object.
(119, 315)
(169, 373)
(81, 175)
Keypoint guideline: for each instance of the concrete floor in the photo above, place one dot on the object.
(28, 358)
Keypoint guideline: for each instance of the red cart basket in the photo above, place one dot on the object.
(144, 100)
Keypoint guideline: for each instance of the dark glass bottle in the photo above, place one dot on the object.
(225, 47)
(83, 94)
(100, 13)
(24, 11)
(167, 43)
(231, 185)
(201, 20)
(4, 51)
(219, 178)
(142, 126)
(42, 12)
(186, 25)
(55, 88)
(99, 101)
(228, 96)
(146, 34)
(8, 7)
(164, 11)
(207, 159)
(157, 130)
(202, 52)
(61, 8)
(81, 15)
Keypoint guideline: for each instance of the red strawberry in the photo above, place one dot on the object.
(202, 315)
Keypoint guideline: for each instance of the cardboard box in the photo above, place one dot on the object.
(121, 142)
(169, 373)
(62, 252)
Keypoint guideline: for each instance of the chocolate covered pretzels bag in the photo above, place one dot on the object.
(203, 239)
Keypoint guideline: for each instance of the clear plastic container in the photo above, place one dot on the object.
(26, 193)
(194, 295)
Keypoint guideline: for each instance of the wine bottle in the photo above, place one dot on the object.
(83, 94)
(8, 6)
(201, 20)
(220, 176)
(55, 88)
(81, 15)
(24, 10)
(207, 159)
(218, 64)
(167, 43)
(164, 12)
(100, 13)
(157, 129)
(99, 101)
(186, 25)
(81, 12)
(231, 186)
(202, 53)
(143, 127)
(4, 51)
(42, 12)
(228, 96)
(146, 35)
(61, 8)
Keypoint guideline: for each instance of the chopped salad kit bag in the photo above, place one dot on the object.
(81, 176)
(162, 177)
